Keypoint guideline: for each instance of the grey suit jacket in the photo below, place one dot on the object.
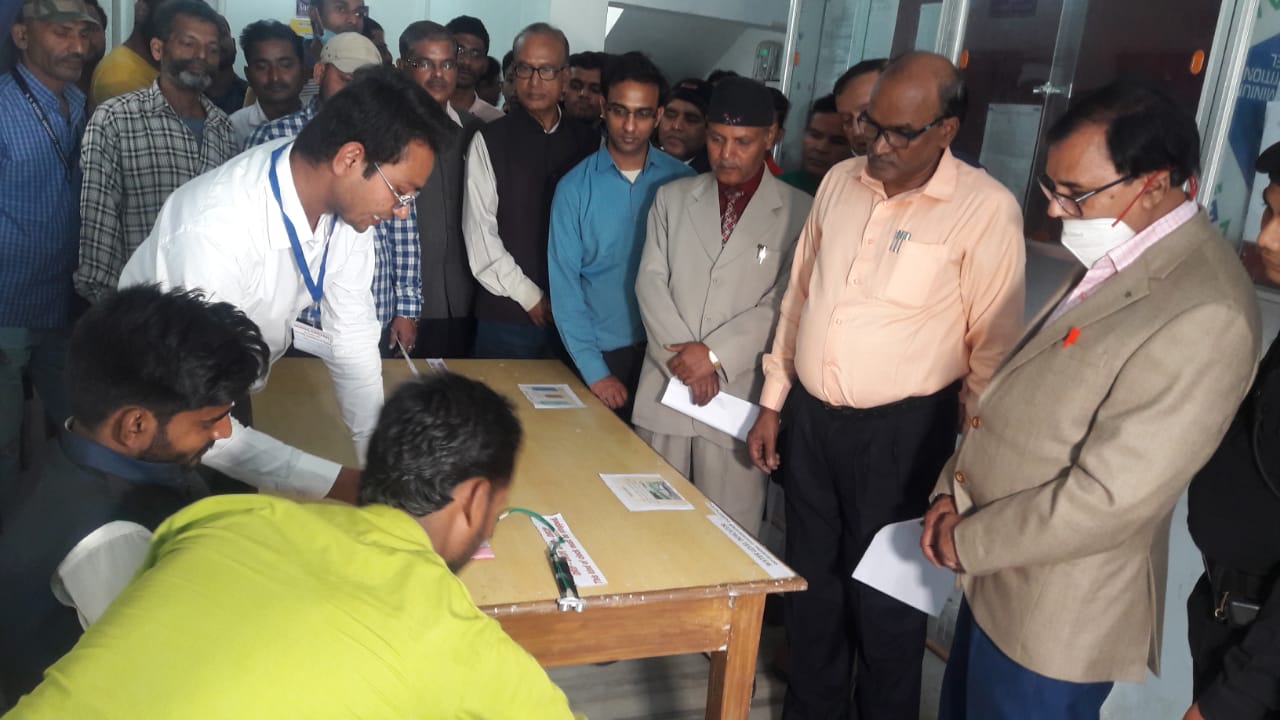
(448, 287)
(693, 288)
(1081, 446)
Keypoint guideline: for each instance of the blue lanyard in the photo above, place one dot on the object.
(315, 287)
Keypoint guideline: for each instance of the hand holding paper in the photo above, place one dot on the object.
(894, 565)
(726, 413)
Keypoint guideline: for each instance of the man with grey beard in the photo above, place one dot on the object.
(140, 146)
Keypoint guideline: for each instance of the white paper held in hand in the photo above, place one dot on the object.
(895, 565)
(726, 413)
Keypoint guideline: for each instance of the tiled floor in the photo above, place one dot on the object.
(675, 688)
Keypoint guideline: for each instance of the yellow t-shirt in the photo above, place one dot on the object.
(121, 71)
(250, 606)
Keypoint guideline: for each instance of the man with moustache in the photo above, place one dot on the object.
(473, 63)
(585, 97)
(227, 90)
(512, 171)
(446, 325)
(97, 47)
(153, 376)
(682, 133)
(288, 225)
(41, 118)
(853, 93)
(139, 147)
(714, 267)
(597, 233)
(906, 292)
(273, 65)
(824, 144)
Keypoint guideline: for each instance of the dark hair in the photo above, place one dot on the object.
(507, 61)
(264, 31)
(491, 72)
(718, 75)
(541, 28)
(467, 25)
(423, 31)
(781, 106)
(589, 60)
(370, 26)
(168, 352)
(159, 25)
(1146, 129)
(94, 5)
(433, 434)
(382, 110)
(875, 65)
(824, 104)
(636, 67)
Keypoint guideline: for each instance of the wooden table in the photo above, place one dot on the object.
(676, 583)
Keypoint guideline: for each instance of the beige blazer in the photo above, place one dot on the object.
(692, 288)
(1081, 447)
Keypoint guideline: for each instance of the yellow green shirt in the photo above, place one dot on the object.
(250, 606)
(121, 71)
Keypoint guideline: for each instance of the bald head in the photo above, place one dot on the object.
(924, 74)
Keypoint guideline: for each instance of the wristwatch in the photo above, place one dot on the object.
(715, 361)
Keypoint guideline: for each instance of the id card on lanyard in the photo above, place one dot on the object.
(305, 337)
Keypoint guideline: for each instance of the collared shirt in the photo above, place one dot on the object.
(136, 152)
(364, 620)
(898, 297)
(1123, 255)
(245, 121)
(121, 71)
(40, 204)
(598, 222)
(285, 127)
(738, 195)
(495, 268)
(81, 486)
(232, 101)
(484, 110)
(224, 233)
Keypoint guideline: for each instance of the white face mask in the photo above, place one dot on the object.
(1090, 239)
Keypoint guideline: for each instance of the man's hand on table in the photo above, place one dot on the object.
(762, 441)
(346, 485)
(611, 391)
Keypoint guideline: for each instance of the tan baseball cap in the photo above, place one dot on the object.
(58, 11)
(348, 51)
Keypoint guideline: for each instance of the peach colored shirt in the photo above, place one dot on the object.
(868, 319)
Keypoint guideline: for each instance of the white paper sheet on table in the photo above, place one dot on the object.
(551, 397)
(895, 565)
(726, 413)
(640, 493)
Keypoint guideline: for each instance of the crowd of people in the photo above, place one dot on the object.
(168, 231)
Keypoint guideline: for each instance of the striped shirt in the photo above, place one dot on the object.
(397, 278)
(39, 207)
(1123, 255)
(136, 152)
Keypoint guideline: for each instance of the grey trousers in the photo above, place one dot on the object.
(727, 477)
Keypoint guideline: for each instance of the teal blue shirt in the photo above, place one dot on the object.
(598, 220)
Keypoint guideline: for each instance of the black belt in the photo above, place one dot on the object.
(1237, 595)
(947, 393)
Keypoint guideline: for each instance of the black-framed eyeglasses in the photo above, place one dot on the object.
(622, 112)
(1071, 204)
(525, 71)
(430, 66)
(897, 137)
(402, 200)
(473, 53)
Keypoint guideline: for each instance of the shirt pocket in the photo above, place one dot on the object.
(914, 273)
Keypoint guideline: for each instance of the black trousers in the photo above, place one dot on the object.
(624, 363)
(445, 337)
(1211, 642)
(850, 473)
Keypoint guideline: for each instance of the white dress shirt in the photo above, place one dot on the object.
(244, 121)
(485, 111)
(223, 233)
(493, 266)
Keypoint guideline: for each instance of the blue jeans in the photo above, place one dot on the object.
(501, 340)
(40, 355)
(982, 683)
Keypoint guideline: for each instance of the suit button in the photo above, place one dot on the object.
(960, 478)
(975, 422)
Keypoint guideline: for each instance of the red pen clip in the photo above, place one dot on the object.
(1072, 335)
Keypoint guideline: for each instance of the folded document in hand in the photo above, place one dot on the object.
(726, 413)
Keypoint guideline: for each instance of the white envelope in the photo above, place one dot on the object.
(895, 565)
(726, 413)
